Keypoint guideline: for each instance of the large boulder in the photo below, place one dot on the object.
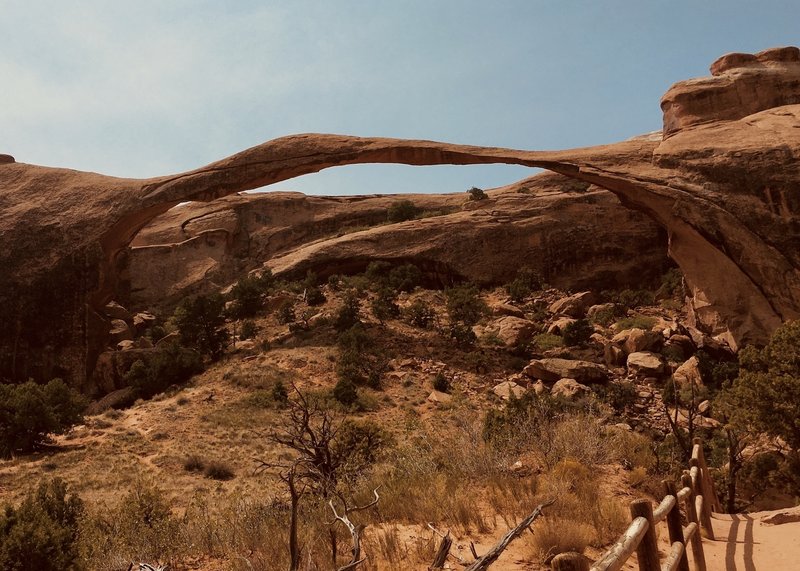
(688, 373)
(570, 389)
(645, 364)
(512, 331)
(507, 389)
(552, 369)
(635, 340)
(574, 305)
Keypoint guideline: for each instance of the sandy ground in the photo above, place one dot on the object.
(744, 542)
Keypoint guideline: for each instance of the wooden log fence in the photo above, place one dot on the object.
(697, 498)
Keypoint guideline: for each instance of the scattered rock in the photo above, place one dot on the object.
(688, 373)
(507, 388)
(142, 321)
(120, 331)
(789, 515)
(570, 389)
(704, 407)
(552, 369)
(440, 397)
(574, 305)
(512, 331)
(559, 325)
(645, 364)
(600, 308)
(613, 355)
(636, 340)
(116, 311)
(539, 388)
(507, 309)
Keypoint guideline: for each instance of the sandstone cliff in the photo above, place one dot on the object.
(723, 184)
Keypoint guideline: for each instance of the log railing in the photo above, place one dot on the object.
(698, 498)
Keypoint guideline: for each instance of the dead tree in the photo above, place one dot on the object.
(443, 551)
(355, 530)
(483, 563)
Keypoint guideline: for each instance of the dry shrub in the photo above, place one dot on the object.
(636, 477)
(631, 449)
(552, 536)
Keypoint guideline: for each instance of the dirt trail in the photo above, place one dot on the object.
(746, 542)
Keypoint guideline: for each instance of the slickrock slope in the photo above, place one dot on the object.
(575, 235)
(725, 189)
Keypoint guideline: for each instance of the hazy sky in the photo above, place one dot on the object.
(149, 87)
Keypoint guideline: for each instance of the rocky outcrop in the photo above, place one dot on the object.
(722, 184)
(574, 236)
(552, 369)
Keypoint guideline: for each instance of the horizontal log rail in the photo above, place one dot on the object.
(696, 496)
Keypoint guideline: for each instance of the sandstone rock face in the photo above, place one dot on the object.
(552, 369)
(507, 388)
(636, 340)
(722, 183)
(688, 373)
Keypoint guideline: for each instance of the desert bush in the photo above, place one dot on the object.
(249, 329)
(465, 305)
(42, 533)
(356, 361)
(384, 306)
(671, 285)
(577, 332)
(314, 296)
(401, 211)
(194, 463)
(349, 313)
(286, 313)
(168, 366)
(552, 536)
(441, 383)
(462, 335)
(200, 322)
(476, 193)
(420, 314)
(526, 282)
(218, 470)
(405, 277)
(619, 395)
(547, 341)
(30, 412)
(247, 297)
(607, 316)
(633, 298)
(344, 391)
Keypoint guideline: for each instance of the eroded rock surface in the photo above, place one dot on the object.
(723, 184)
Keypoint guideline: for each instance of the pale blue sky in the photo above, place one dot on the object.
(150, 87)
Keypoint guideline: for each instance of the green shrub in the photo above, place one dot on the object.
(356, 362)
(200, 322)
(441, 383)
(463, 335)
(420, 314)
(42, 534)
(671, 285)
(527, 281)
(314, 296)
(30, 412)
(405, 277)
(384, 306)
(349, 313)
(249, 329)
(547, 341)
(476, 193)
(247, 297)
(285, 313)
(216, 470)
(194, 463)
(634, 298)
(465, 305)
(172, 365)
(619, 395)
(401, 211)
(577, 332)
(345, 392)
(636, 322)
(279, 393)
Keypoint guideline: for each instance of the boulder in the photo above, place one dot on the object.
(440, 398)
(116, 311)
(681, 345)
(552, 369)
(645, 364)
(507, 388)
(688, 373)
(120, 331)
(570, 389)
(559, 325)
(512, 331)
(613, 355)
(143, 321)
(600, 308)
(636, 340)
(574, 305)
(539, 388)
(507, 309)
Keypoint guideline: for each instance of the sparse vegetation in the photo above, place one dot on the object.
(476, 193)
(401, 211)
(420, 314)
(578, 332)
(465, 305)
(200, 321)
(526, 282)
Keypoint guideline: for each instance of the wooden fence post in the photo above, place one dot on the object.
(674, 524)
(710, 491)
(698, 556)
(571, 561)
(647, 552)
(704, 517)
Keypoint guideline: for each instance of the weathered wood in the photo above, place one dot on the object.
(355, 531)
(618, 554)
(689, 531)
(483, 563)
(710, 493)
(677, 553)
(647, 552)
(705, 517)
(674, 525)
(664, 508)
(698, 555)
(683, 493)
(570, 562)
(441, 554)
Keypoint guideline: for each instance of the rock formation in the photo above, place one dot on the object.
(575, 235)
(723, 184)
